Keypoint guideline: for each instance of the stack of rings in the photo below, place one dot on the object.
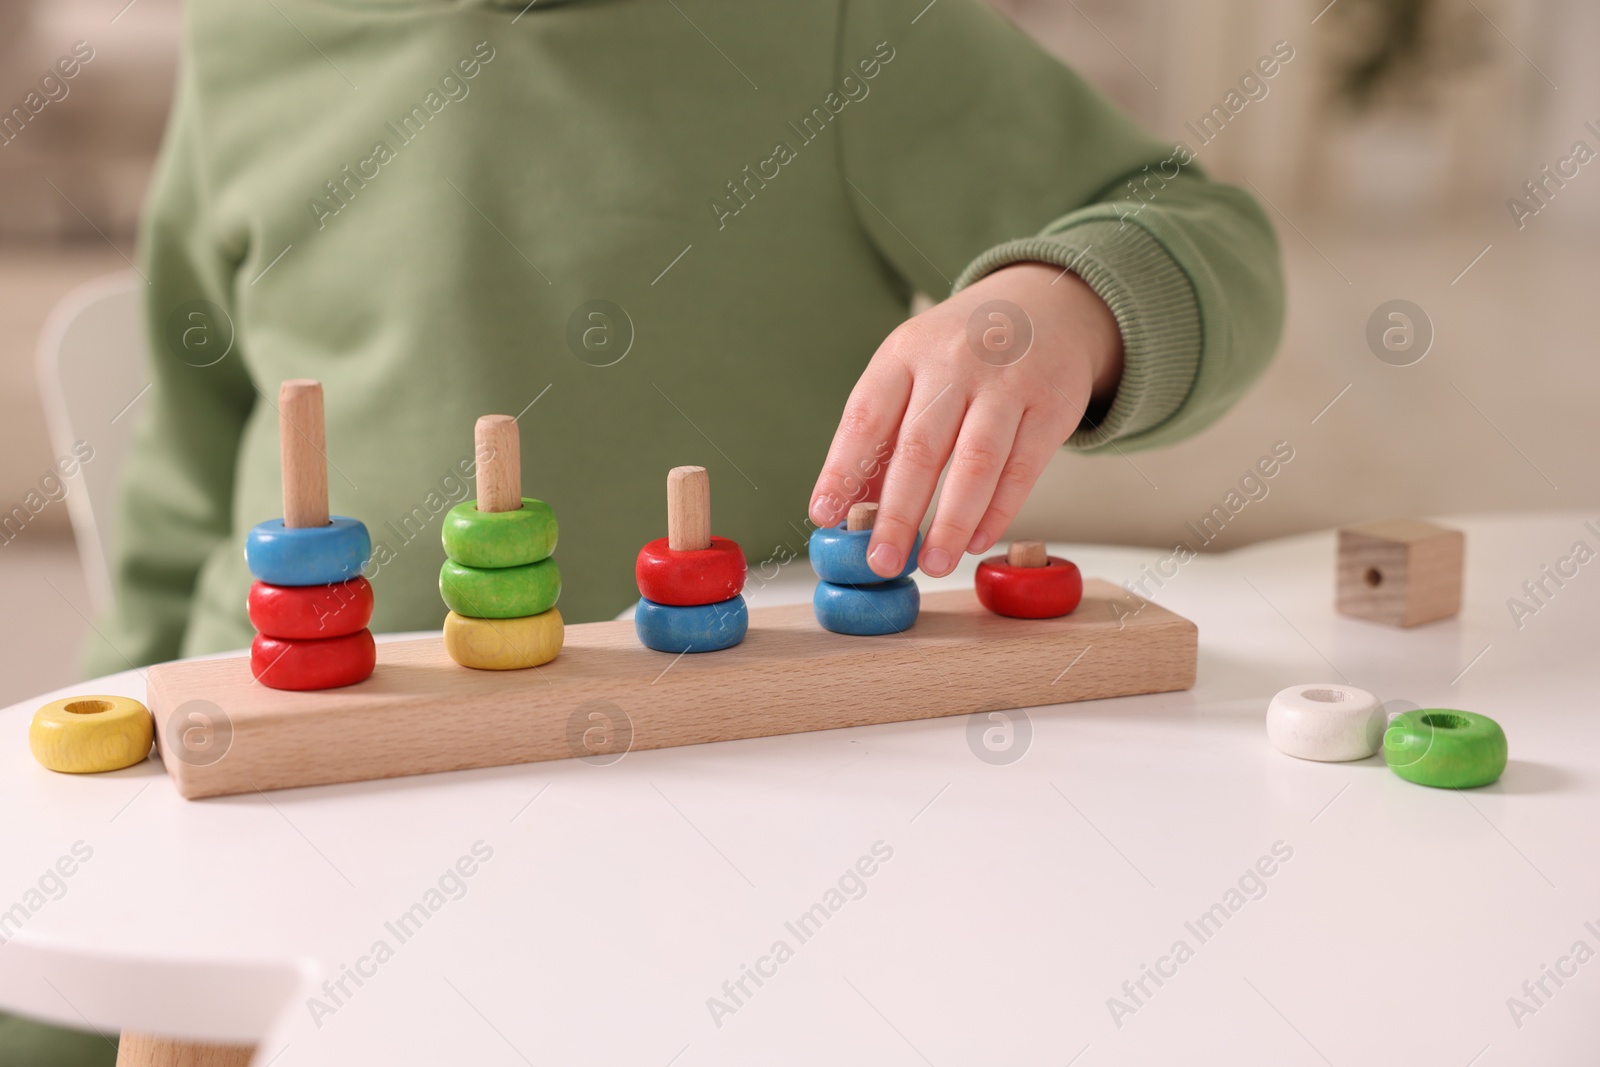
(851, 598)
(690, 598)
(309, 604)
(501, 586)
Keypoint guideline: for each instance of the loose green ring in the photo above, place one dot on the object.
(492, 539)
(1444, 748)
(501, 593)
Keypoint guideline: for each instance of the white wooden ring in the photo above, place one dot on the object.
(1331, 723)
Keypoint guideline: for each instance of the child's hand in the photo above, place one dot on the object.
(993, 389)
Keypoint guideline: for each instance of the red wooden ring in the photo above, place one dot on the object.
(310, 612)
(689, 579)
(1029, 592)
(325, 664)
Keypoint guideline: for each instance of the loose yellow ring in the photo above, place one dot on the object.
(88, 734)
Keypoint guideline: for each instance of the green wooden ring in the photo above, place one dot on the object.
(501, 592)
(492, 539)
(1445, 748)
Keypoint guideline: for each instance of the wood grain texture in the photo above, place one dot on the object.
(143, 1050)
(302, 453)
(1027, 554)
(420, 712)
(862, 516)
(688, 509)
(497, 445)
(1401, 572)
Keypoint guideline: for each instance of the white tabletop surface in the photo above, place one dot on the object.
(1019, 898)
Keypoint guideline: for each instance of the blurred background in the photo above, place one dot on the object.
(1387, 151)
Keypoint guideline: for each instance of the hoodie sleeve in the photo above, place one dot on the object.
(974, 149)
(175, 510)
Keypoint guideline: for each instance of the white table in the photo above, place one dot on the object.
(1019, 897)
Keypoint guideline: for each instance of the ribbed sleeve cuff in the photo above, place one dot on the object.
(1153, 301)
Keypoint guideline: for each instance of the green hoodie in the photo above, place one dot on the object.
(662, 232)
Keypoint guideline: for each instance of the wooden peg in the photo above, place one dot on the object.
(862, 516)
(498, 446)
(302, 452)
(688, 509)
(144, 1050)
(1027, 554)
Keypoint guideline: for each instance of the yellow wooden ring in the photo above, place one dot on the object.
(84, 735)
(503, 644)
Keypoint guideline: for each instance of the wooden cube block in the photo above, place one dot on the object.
(1401, 572)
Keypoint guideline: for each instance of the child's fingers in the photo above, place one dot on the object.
(926, 436)
(862, 443)
(1038, 438)
(984, 445)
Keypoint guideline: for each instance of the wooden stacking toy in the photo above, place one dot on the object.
(690, 583)
(1027, 583)
(851, 598)
(499, 581)
(309, 604)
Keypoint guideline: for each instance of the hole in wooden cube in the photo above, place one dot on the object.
(1402, 572)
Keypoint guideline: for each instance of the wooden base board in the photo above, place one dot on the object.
(420, 712)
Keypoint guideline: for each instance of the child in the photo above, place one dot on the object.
(661, 234)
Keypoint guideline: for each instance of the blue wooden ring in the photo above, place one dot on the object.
(840, 556)
(702, 628)
(867, 610)
(307, 555)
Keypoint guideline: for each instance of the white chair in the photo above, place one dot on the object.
(94, 372)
